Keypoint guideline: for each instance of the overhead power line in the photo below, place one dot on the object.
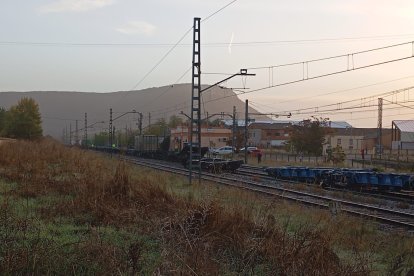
(360, 102)
(176, 44)
(167, 89)
(60, 119)
(217, 11)
(337, 56)
(162, 59)
(209, 44)
(344, 90)
(305, 73)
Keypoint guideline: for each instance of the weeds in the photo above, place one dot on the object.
(75, 212)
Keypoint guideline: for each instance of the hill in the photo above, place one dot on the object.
(61, 109)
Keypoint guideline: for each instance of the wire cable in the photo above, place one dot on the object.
(344, 90)
(364, 100)
(217, 11)
(168, 89)
(211, 44)
(162, 59)
(176, 44)
(332, 57)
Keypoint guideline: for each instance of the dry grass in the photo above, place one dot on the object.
(104, 205)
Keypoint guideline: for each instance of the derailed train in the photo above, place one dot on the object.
(343, 177)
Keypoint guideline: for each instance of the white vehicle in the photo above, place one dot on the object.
(249, 149)
(223, 150)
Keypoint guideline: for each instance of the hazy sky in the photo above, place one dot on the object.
(110, 45)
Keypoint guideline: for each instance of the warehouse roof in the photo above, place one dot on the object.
(404, 125)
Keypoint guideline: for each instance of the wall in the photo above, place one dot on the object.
(210, 137)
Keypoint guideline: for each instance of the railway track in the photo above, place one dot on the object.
(406, 197)
(377, 213)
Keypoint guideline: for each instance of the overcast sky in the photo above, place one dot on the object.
(111, 45)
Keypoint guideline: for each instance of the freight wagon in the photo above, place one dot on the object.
(343, 177)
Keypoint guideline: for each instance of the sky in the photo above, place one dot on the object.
(118, 45)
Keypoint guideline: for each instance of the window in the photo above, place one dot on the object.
(351, 142)
(277, 134)
(339, 142)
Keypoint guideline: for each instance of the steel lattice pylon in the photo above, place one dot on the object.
(379, 129)
(195, 129)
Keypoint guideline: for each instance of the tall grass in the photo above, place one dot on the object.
(109, 218)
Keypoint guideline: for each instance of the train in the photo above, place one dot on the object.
(361, 179)
(158, 147)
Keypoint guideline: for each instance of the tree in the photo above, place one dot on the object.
(336, 155)
(160, 128)
(3, 113)
(308, 136)
(23, 120)
(175, 121)
(216, 123)
(101, 139)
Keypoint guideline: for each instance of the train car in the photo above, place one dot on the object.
(344, 177)
(216, 165)
(157, 147)
(148, 143)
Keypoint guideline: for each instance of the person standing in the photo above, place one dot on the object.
(259, 157)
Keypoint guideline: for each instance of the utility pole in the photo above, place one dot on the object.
(114, 136)
(76, 133)
(149, 119)
(379, 135)
(66, 134)
(195, 124)
(70, 134)
(233, 141)
(246, 133)
(126, 136)
(140, 123)
(110, 129)
(86, 130)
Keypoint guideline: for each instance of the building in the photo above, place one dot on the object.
(212, 137)
(402, 134)
(268, 134)
(353, 140)
(371, 142)
(349, 139)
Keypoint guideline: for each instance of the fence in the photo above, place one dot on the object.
(351, 160)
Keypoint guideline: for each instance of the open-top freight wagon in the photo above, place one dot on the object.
(342, 177)
(157, 147)
(216, 165)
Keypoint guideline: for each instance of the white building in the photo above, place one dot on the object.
(403, 134)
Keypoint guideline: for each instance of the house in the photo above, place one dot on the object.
(268, 134)
(402, 134)
(353, 140)
(212, 137)
(371, 142)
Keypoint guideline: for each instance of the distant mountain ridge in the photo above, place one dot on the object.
(60, 109)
